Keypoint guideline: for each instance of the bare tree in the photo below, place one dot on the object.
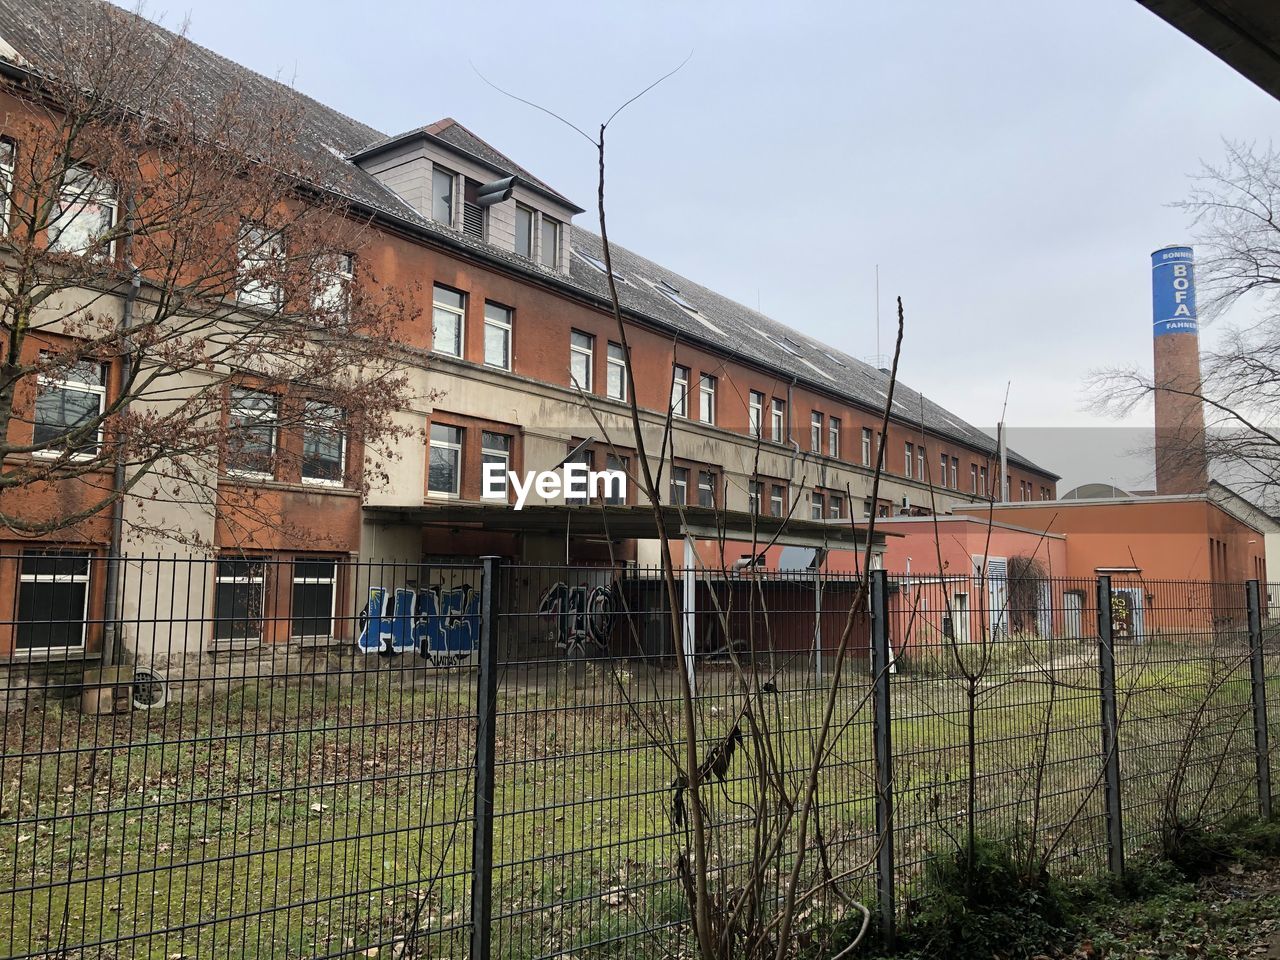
(180, 288)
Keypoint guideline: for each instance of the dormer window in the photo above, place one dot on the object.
(549, 252)
(524, 231)
(442, 182)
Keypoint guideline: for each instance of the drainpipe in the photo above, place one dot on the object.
(111, 612)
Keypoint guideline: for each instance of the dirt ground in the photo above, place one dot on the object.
(1234, 913)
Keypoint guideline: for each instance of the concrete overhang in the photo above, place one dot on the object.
(1244, 34)
(619, 522)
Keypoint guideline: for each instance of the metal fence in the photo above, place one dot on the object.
(309, 756)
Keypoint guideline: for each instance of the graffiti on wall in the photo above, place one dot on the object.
(441, 625)
(582, 616)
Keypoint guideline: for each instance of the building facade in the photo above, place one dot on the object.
(516, 361)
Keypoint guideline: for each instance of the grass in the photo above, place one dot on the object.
(332, 814)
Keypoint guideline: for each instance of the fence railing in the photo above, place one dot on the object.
(256, 757)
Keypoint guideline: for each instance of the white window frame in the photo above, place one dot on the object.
(459, 314)
(817, 505)
(543, 222)
(8, 160)
(615, 366)
(709, 486)
(778, 500)
(502, 322)
(533, 231)
(333, 295)
(684, 484)
(90, 190)
(778, 420)
(866, 446)
(833, 437)
(955, 473)
(332, 581)
(589, 352)
(921, 472)
(816, 428)
(707, 398)
(340, 425)
(85, 578)
(272, 416)
(453, 193)
(755, 413)
(836, 506)
(78, 386)
(943, 484)
(456, 447)
(489, 454)
(260, 580)
(910, 455)
(257, 244)
(680, 391)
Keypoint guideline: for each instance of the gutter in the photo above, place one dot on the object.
(111, 611)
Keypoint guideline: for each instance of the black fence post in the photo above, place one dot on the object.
(1110, 729)
(486, 722)
(1257, 671)
(881, 661)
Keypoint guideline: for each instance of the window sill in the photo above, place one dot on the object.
(327, 484)
(234, 645)
(50, 655)
(303, 486)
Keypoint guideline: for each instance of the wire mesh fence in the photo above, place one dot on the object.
(313, 756)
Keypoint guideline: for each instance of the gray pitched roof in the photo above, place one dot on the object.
(327, 139)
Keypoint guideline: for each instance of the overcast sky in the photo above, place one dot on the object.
(1009, 165)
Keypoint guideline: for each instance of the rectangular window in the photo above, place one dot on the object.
(680, 391)
(906, 467)
(921, 473)
(66, 402)
(314, 599)
(680, 485)
(324, 444)
(986, 489)
(707, 398)
(973, 477)
(332, 295)
(497, 336)
(815, 432)
(86, 211)
(818, 506)
(777, 501)
(442, 186)
(837, 507)
(706, 488)
(616, 463)
(53, 600)
(448, 313)
(495, 448)
(866, 446)
(238, 594)
(833, 437)
(7, 151)
(261, 257)
(444, 474)
(587, 459)
(778, 421)
(753, 496)
(549, 247)
(251, 435)
(955, 473)
(942, 480)
(615, 373)
(524, 231)
(581, 359)
(755, 413)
